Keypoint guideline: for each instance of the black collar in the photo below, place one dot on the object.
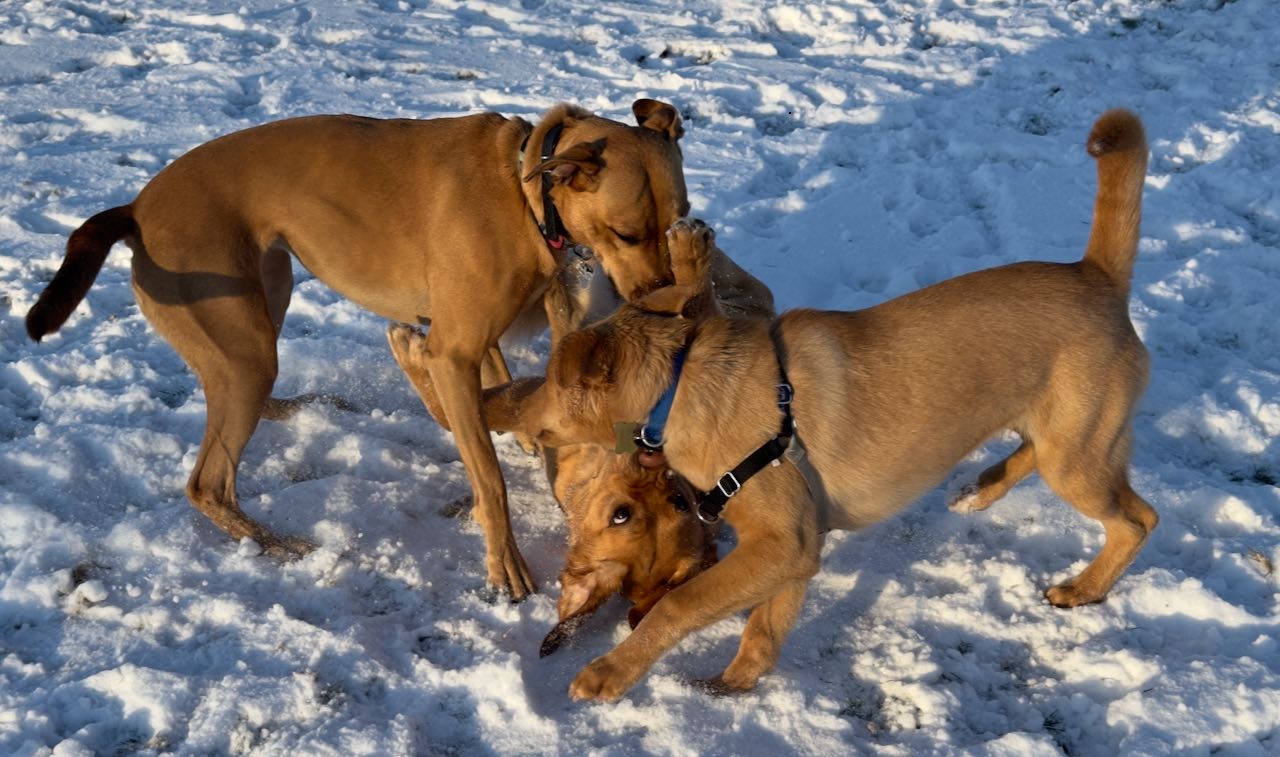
(551, 227)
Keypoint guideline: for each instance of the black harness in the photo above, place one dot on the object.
(708, 505)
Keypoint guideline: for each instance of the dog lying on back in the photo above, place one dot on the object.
(631, 531)
(872, 407)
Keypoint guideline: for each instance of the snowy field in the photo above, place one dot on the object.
(846, 152)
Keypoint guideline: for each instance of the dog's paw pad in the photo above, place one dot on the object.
(408, 344)
(686, 225)
(285, 548)
(690, 243)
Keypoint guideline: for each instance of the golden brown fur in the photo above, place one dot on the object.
(659, 543)
(887, 400)
(418, 221)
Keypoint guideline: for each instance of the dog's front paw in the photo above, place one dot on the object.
(508, 572)
(690, 243)
(967, 500)
(1071, 594)
(284, 548)
(409, 348)
(735, 679)
(602, 681)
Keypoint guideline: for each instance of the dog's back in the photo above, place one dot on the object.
(1026, 346)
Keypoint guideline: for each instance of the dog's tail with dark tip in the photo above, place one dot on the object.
(86, 250)
(1119, 144)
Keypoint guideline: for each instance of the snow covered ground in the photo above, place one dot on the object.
(846, 152)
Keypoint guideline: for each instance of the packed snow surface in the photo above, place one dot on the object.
(846, 152)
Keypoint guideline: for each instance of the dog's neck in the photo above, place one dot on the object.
(727, 402)
(539, 144)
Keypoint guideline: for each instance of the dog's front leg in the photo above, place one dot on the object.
(456, 378)
(768, 570)
(767, 627)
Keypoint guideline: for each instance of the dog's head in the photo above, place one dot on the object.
(616, 187)
(628, 535)
(611, 371)
(615, 369)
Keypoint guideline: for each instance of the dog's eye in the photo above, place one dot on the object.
(620, 515)
(626, 238)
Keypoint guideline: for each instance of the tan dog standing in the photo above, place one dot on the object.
(886, 401)
(418, 221)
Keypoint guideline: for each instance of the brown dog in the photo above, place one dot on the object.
(630, 531)
(419, 221)
(886, 401)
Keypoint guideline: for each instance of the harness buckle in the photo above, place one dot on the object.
(785, 394)
(729, 477)
(710, 520)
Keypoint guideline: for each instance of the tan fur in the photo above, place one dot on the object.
(887, 400)
(659, 546)
(417, 221)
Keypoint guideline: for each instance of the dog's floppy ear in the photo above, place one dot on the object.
(581, 593)
(577, 166)
(659, 116)
(582, 357)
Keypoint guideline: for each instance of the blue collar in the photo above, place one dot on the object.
(650, 435)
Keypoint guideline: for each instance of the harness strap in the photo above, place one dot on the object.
(710, 504)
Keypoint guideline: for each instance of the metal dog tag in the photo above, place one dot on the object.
(624, 436)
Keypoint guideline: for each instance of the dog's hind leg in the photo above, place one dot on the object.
(996, 481)
(219, 323)
(1094, 481)
(1127, 519)
(276, 268)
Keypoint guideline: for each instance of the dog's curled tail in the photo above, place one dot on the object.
(86, 250)
(1119, 144)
